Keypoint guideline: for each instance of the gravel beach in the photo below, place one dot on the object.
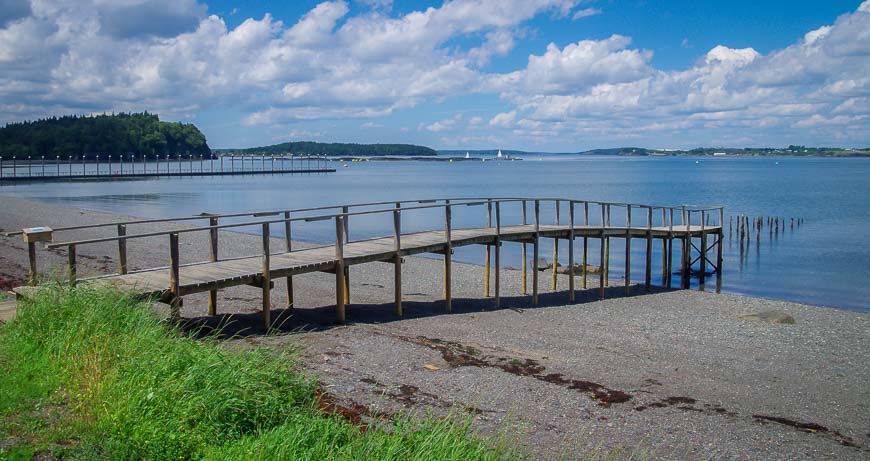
(664, 375)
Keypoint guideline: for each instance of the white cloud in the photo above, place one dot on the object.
(169, 56)
(603, 88)
(585, 13)
(504, 119)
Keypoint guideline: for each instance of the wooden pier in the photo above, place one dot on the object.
(42, 170)
(692, 227)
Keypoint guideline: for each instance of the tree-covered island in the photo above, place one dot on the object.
(86, 137)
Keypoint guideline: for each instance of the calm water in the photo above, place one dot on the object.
(824, 262)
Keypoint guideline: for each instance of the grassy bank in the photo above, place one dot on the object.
(91, 374)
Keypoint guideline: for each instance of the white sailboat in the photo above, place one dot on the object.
(467, 155)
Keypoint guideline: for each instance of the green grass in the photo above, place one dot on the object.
(88, 374)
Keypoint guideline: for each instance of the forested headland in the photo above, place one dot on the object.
(86, 137)
(334, 149)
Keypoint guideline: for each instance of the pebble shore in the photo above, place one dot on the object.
(664, 375)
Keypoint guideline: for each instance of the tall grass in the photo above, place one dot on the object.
(135, 388)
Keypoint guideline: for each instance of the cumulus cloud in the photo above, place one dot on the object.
(335, 62)
(168, 56)
(605, 88)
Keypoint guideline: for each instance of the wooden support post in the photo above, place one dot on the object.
(71, 257)
(664, 250)
(397, 260)
(174, 281)
(585, 245)
(703, 259)
(288, 242)
(339, 269)
(670, 262)
(627, 249)
(267, 279)
(525, 290)
(571, 252)
(346, 222)
(606, 264)
(555, 253)
(719, 262)
(122, 249)
(497, 300)
(486, 268)
(535, 246)
(448, 298)
(649, 244)
(602, 257)
(703, 250)
(213, 257)
(31, 256)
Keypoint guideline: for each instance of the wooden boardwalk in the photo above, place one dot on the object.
(30, 170)
(170, 284)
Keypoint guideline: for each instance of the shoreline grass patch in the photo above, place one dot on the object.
(133, 387)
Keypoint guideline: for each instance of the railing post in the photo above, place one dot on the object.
(525, 290)
(670, 250)
(719, 250)
(488, 249)
(33, 274)
(703, 274)
(627, 249)
(288, 241)
(553, 282)
(122, 249)
(602, 253)
(267, 280)
(497, 253)
(345, 219)
(397, 260)
(448, 298)
(606, 267)
(535, 245)
(571, 252)
(687, 248)
(649, 243)
(585, 244)
(339, 269)
(213, 257)
(175, 301)
(71, 265)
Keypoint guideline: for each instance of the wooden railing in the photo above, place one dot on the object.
(705, 217)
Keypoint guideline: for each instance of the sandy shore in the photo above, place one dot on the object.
(672, 374)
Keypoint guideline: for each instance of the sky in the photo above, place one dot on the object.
(539, 75)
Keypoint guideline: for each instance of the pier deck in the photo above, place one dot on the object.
(170, 284)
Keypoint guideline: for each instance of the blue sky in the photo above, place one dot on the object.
(551, 75)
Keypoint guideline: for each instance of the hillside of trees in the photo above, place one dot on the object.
(334, 149)
(85, 137)
(790, 151)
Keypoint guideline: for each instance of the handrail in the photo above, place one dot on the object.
(478, 202)
(692, 208)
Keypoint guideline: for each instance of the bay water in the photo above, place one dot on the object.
(825, 261)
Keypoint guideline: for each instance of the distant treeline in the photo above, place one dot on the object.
(86, 137)
(792, 150)
(332, 149)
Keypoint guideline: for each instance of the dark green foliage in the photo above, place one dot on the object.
(334, 149)
(85, 137)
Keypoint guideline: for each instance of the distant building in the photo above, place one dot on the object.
(719, 154)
